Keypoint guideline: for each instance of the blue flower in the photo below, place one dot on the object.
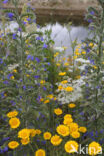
(45, 45)
(36, 76)
(92, 12)
(24, 87)
(38, 38)
(6, 82)
(44, 88)
(37, 59)
(9, 76)
(89, 20)
(10, 15)
(5, 149)
(14, 36)
(1, 61)
(30, 57)
(5, 1)
(28, 19)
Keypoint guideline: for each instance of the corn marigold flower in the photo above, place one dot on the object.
(38, 131)
(62, 73)
(60, 87)
(46, 101)
(66, 64)
(24, 133)
(13, 144)
(12, 77)
(94, 148)
(67, 116)
(78, 77)
(42, 81)
(83, 52)
(58, 111)
(75, 57)
(95, 67)
(82, 129)
(75, 134)
(72, 105)
(14, 122)
(50, 96)
(64, 82)
(69, 89)
(58, 64)
(73, 127)
(47, 135)
(71, 146)
(12, 114)
(32, 132)
(56, 140)
(63, 130)
(67, 121)
(40, 152)
(25, 141)
(15, 71)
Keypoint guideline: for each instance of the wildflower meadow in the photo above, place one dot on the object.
(50, 104)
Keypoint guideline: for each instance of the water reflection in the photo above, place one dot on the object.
(61, 36)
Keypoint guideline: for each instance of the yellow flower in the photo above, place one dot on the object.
(13, 144)
(42, 81)
(56, 140)
(82, 129)
(73, 127)
(78, 77)
(102, 62)
(71, 146)
(67, 116)
(58, 111)
(66, 64)
(25, 141)
(62, 73)
(40, 152)
(62, 130)
(58, 64)
(12, 114)
(15, 71)
(71, 105)
(38, 131)
(75, 57)
(5, 94)
(77, 53)
(69, 89)
(46, 101)
(94, 148)
(47, 135)
(14, 122)
(75, 134)
(91, 44)
(27, 75)
(24, 133)
(83, 52)
(12, 77)
(64, 82)
(95, 67)
(32, 132)
(67, 121)
(41, 99)
(60, 87)
(50, 96)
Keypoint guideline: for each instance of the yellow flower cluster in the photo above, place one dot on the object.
(14, 122)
